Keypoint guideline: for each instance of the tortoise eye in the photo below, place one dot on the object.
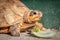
(32, 13)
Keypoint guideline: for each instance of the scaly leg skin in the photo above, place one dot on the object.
(15, 30)
(40, 26)
(26, 26)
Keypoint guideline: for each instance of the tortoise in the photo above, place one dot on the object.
(16, 17)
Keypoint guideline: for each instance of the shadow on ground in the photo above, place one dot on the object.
(25, 36)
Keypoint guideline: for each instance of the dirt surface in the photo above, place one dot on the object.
(25, 36)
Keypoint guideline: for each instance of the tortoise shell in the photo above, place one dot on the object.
(11, 12)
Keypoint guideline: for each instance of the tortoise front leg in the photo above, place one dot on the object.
(26, 26)
(15, 30)
(40, 26)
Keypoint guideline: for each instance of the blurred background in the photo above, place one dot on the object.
(50, 9)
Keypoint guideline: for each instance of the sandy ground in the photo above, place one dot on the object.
(25, 36)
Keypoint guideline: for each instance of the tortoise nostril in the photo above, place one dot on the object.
(41, 14)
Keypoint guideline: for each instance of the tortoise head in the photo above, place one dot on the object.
(33, 16)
